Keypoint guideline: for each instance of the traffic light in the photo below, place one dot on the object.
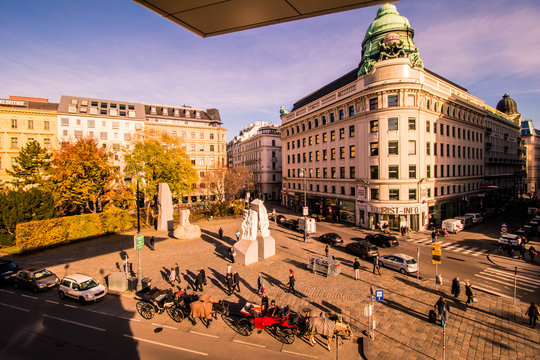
(436, 253)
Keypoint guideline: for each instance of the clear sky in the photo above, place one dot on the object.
(119, 50)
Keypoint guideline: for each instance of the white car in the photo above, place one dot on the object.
(81, 287)
(404, 263)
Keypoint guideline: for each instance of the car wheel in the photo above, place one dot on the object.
(61, 294)
(15, 285)
(403, 271)
(82, 301)
(384, 245)
(35, 289)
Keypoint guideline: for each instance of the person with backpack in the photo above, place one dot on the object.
(469, 293)
(534, 314)
(456, 287)
(442, 309)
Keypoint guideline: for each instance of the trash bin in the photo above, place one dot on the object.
(146, 282)
(132, 283)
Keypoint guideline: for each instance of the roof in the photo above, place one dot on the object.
(216, 17)
(23, 103)
(78, 277)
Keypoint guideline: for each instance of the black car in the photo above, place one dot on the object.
(280, 219)
(382, 240)
(362, 249)
(8, 269)
(291, 224)
(331, 238)
(35, 279)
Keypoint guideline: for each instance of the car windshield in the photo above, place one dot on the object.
(9, 266)
(42, 273)
(373, 248)
(88, 284)
(411, 261)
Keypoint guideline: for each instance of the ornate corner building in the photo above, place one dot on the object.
(392, 142)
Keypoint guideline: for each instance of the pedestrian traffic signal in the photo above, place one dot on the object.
(436, 253)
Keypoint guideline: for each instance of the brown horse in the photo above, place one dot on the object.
(207, 309)
(327, 326)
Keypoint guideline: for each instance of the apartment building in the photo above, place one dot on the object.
(24, 119)
(392, 142)
(258, 148)
(203, 139)
(530, 140)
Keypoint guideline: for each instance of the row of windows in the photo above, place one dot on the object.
(212, 161)
(316, 155)
(341, 115)
(457, 170)
(317, 173)
(15, 142)
(192, 147)
(30, 124)
(103, 105)
(324, 136)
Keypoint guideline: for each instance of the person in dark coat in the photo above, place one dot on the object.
(236, 281)
(356, 267)
(151, 243)
(442, 308)
(534, 314)
(376, 265)
(291, 281)
(433, 236)
(230, 283)
(532, 253)
(456, 289)
(220, 231)
(260, 284)
(326, 250)
(469, 293)
(199, 280)
(177, 273)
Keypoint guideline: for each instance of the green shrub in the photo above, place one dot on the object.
(41, 234)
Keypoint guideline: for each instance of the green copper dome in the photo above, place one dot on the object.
(389, 36)
(507, 105)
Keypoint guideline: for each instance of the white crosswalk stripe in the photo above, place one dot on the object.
(474, 251)
(502, 280)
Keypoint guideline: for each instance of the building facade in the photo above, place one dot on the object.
(203, 140)
(258, 148)
(24, 119)
(391, 142)
(530, 140)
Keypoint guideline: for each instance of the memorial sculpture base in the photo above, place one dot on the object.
(246, 252)
(187, 232)
(267, 246)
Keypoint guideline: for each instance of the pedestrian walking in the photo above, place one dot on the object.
(532, 253)
(522, 251)
(326, 250)
(443, 309)
(237, 235)
(229, 268)
(291, 281)
(356, 267)
(151, 243)
(260, 288)
(236, 281)
(220, 232)
(433, 236)
(199, 280)
(456, 290)
(172, 277)
(177, 272)
(230, 283)
(534, 314)
(469, 293)
(376, 265)
(232, 254)
(403, 230)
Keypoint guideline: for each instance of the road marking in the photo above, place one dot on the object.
(165, 326)
(70, 306)
(166, 345)
(510, 275)
(467, 250)
(482, 250)
(15, 307)
(299, 354)
(528, 289)
(453, 247)
(203, 334)
(52, 302)
(10, 292)
(130, 319)
(30, 297)
(73, 322)
(492, 292)
(246, 343)
(99, 312)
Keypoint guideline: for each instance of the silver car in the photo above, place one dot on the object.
(405, 264)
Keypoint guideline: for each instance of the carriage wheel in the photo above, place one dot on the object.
(244, 327)
(175, 313)
(288, 334)
(146, 310)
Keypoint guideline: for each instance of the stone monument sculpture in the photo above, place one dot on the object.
(185, 230)
(165, 208)
(248, 247)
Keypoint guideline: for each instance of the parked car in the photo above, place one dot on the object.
(81, 287)
(35, 279)
(405, 264)
(382, 240)
(362, 249)
(8, 269)
(466, 220)
(280, 219)
(331, 238)
(523, 234)
(291, 224)
(452, 225)
(476, 217)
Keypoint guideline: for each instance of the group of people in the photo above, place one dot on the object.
(175, 278)
(233, 281)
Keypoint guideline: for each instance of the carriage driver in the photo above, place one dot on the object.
(273, 310)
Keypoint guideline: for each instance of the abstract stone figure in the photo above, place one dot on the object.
(165, 208)
(249, 248)
(185, 230)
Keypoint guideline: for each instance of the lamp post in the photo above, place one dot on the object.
(305, 209)
(139, 266)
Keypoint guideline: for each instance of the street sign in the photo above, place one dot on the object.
(138, 241)
(436, 253)
(504, 229)
(305, 211)
(379, 295)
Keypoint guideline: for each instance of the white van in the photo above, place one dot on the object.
(477, 217)
(510, 239)
(452, 225)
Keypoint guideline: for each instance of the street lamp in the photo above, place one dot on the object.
(305, 210)
(139, 266)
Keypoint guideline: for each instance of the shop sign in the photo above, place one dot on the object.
(12, 102)
(395, 210)
(361, 193)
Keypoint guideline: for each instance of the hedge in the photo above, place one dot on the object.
(53, 232)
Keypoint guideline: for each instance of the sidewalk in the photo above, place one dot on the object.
(491, 329)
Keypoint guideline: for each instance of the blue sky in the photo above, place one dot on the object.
(119, 50)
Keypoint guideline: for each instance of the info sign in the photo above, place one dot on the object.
(138, 241)
(379, 295)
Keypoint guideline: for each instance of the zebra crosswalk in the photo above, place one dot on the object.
(501, 280)
(456, 247)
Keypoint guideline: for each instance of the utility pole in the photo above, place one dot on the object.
(515, 285)
(140, 243)
(305, 210)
